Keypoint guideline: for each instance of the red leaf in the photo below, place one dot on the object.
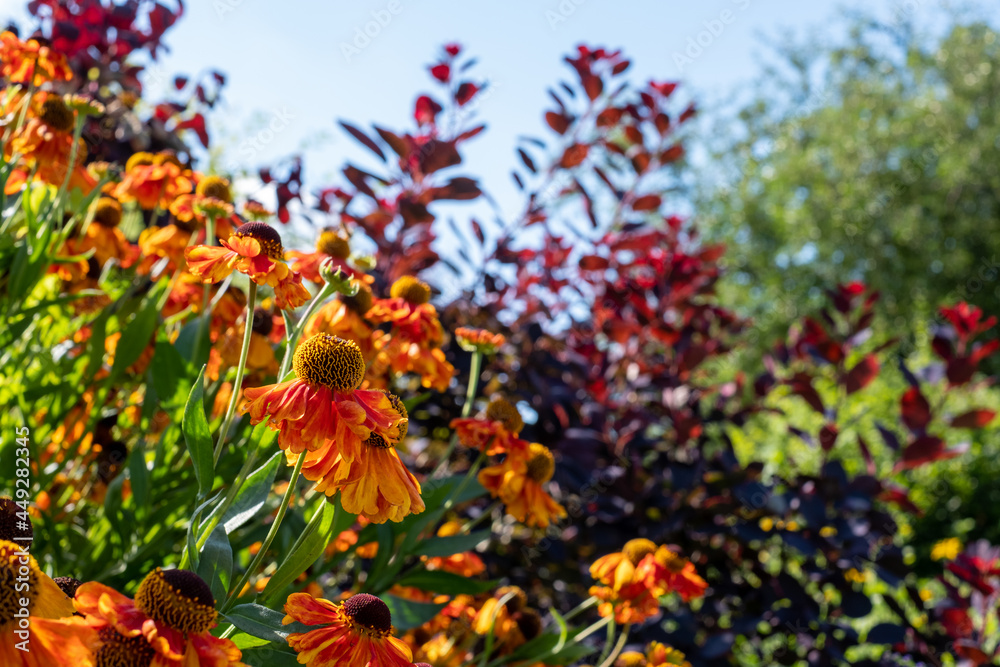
(862, 374)
(453, 49)
(197, 125)
(593, 263)
(925, 449)
(465, 92)
(180, 82)
(673, 153)
(574, 155)
(647, 203)
(557, 121)
(828, 436)
(973, 419)
(441, 72)
(916, 410)
(527, 161)
(363, 138)
(592, 85)
(426, 110)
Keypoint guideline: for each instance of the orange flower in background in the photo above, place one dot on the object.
(402, 357)
(212, 198)
(519, 482)
(225, 354)
(408, 310)
(30, 61)
(45, 145)
(330, 245)
(52, 641)
(497, 433)
(344, 317)
(154, 181)
(635, 578)
(513, 624)
(466, 564)
(661, 655)
(169, 241)
(356, 633)
(103, 237)
(168, 624)
(254, 249)
(479, 340)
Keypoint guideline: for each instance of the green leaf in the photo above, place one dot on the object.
(270, 655)
(244, 641)
(197, 436)
(185, 342)
(262, 622)
(139, 477)
(408, 614)
(453, 544)
(215, 563)
(311, 545)
(169, 373)
(446, 583)
(137, 335)
(253, 495)
(545, 643)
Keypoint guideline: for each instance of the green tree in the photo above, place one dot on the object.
(875, 160)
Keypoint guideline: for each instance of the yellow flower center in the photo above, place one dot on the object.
(140, 159)
(368, 614)
(631, 659)
(333, 244)
(56, 114)
(500, 410)
(376, 440)
(215, 187)
(119, 651)
(17, 569)
(541, 463)
(331, 362)
(636, 550)
(411, 290)
(178, 599)
(400, 407)
(108, 212)
(266, 235)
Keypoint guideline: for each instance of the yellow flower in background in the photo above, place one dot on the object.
(946, 549)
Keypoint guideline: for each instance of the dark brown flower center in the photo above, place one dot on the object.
(68, 585)
(504, 412)
(119, 651)
(263, 322)
(541, 464)
(56, 114)
(266, 235)
(361, 302)
(108, 212)
(376, 440)
(369, 612)
(15, 526)
(177, 598)
(331, 362)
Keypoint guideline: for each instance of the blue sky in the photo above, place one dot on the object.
(303, 65)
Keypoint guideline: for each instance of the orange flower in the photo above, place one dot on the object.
(357, 633)
(661, 655)
(635, 608)
(345, 433)
(31, 61)
(48, 641)
(412, 317)
(168, 624)
(479, 340)
(104, 238)
(332, 246)
(212, 197)
(513, 624)
(154, 181)
(618, 569)
(45, 144)
(403, 357)
(254, 249)
(666, 571)
(169, 241)
(226, 351)
(498, 431)
(518, 482)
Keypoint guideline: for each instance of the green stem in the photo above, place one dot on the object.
(310, 528)
(238, 384)
(580, 608)
(609, 641)
(470, 399)
(610, 660)
(227, 502)
(293, 338)
(271, 534)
